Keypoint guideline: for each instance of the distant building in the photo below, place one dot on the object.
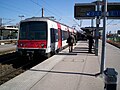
(8, 32)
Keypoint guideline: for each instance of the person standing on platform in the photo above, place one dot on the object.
(70, 41)
(91, 41)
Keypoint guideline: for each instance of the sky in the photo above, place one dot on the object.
(61, 10)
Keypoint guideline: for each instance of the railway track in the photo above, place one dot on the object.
(116, 44)
(11, 66)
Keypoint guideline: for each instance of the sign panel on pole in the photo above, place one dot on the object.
(113, 10)
(81, 9)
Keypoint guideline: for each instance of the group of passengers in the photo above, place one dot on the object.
(71, 40)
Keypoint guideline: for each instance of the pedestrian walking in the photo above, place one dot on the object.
(91, 41)
(70, 41)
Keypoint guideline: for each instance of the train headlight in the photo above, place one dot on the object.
(42, 45)
(21, 44)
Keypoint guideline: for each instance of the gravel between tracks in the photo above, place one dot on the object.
(4, 73)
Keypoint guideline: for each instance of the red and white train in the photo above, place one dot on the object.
(42, 36)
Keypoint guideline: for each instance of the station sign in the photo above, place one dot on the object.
(88, 10)
(115, 13)
(93, 13)
(83, 10)
(113, 10)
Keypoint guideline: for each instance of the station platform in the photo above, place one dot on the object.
(6, 48)
(67, 71)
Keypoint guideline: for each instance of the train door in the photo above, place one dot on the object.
(53, 39)
(59, 36)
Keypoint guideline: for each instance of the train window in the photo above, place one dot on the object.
(33, 30)
(52, 33)
(64, 35)
(56, 35)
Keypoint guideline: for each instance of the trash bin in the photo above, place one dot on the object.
(110, 78)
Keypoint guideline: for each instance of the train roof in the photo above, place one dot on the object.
(35, 19)
(46, 19)
(43, 19)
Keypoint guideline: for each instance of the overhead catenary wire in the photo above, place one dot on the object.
(45, 8)
(8, 21)
(12, 7)
(51, 9)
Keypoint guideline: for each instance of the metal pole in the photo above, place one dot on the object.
(0, 22)
(1, 37)
(103, 54)
(92, 26)
(42, 12)
(97, 30)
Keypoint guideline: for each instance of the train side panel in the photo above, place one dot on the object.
(53, 33)
(65, 34)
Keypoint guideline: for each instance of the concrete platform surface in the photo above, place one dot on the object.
(67, 71)
(7, 48)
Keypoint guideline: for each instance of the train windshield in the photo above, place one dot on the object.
(33, 30)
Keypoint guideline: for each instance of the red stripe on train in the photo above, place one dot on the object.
(32, 43)
(59, 36)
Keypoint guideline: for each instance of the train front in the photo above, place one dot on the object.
(32, 38)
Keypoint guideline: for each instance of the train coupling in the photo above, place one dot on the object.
(30, 54)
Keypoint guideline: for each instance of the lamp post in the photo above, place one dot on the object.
(103, 54)
(21, 16)
(0, 21)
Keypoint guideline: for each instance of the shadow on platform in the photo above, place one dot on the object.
(76, 50)
(61, 72)
(81, 48)
(67, 53)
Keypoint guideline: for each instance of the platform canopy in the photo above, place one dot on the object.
(90, 29)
